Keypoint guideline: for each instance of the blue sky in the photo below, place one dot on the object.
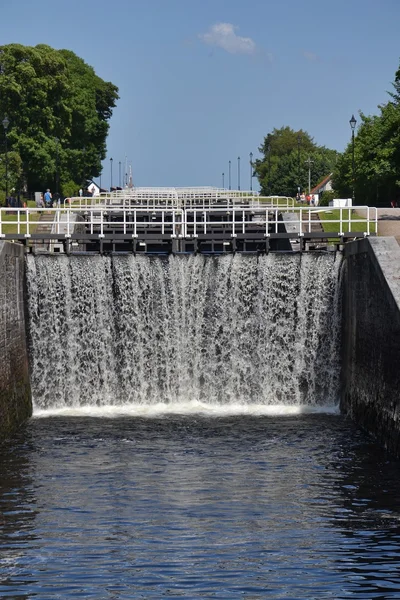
(202, 82)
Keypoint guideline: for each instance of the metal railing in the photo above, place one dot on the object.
(99, 220)
(182, 198)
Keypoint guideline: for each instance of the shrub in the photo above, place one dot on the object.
(327, 197)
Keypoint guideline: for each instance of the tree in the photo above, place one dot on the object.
(376, 156)
(58, 110)
(284, 166)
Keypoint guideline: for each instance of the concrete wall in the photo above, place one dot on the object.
(15, 399)
(371, 338)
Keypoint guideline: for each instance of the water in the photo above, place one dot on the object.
(233, 330)
(186, 441)
(290, 507)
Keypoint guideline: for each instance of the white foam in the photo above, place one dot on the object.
(184, 408)
(240, 334)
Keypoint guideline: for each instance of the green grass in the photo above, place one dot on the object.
(276, 200)
(9, 224)
(358, 223)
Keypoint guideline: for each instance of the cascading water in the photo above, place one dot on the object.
(188, 330)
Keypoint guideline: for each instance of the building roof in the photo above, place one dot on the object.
(321, 184)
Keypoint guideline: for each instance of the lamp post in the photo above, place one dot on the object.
(223, 181)
(298, 163)
(56, 141)
(269, 168)
(6, 123)
(251, 171)
(309, 162)
(238, 172)
(111, 165)
(353, 123)
(229, 174)
(119, 173)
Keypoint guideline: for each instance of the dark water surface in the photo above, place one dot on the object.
(295, 507)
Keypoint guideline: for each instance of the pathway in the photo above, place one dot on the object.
(389, 221)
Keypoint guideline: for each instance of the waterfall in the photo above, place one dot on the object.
(185, 330)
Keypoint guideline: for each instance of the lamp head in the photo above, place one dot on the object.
(353, 122)
(6, 123)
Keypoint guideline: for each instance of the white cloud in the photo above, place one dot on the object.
(223, 36)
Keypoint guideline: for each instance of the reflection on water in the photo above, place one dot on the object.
(296, 507)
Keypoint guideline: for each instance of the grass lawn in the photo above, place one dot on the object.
(276, 200)
(9, 217)
(357, 223)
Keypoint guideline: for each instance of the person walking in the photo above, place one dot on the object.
(48, 198)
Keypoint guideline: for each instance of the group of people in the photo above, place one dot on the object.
(13, 202)
(48, 200)
(88, 193)
(305, 199)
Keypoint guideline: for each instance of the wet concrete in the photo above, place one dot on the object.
(371, 338)
(15, 399)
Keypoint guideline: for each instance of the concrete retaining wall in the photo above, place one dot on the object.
(371, 338)
(15, 399)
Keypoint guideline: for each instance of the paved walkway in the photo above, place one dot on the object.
(388, 221)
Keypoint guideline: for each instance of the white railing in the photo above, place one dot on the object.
(190, 222)
(205, 200)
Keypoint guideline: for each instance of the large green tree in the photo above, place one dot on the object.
(289, 157)
(376, 156)
(58, 111)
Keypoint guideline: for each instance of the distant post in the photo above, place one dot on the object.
(251, 171)
(309, 162)
(298, 162)
(353, 123)
(6, 123)
(56, 141)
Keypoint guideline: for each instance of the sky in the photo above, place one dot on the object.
(202, 82)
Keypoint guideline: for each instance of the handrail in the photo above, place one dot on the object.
(173, 221)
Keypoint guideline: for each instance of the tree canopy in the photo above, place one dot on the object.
(58, 111)
(288, 158)
(376, 156)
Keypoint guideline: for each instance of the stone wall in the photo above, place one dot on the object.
(371, 338)
(15, 399)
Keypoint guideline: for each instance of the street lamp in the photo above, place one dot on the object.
(6, 123)
(119, 173)
(251, 171)
(353, 123)
(309, 162)
(238, 172)
(56, 141)
(111, 164)
(223, 181)
(269, 168)
(229, 174)
(298, 163)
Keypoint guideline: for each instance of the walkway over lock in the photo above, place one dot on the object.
(165, 221)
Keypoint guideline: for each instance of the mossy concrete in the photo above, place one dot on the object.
(15, 395)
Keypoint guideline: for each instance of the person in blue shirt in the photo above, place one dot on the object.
(48, 199)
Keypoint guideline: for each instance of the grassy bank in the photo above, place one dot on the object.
(330, 221)
(9, 217)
